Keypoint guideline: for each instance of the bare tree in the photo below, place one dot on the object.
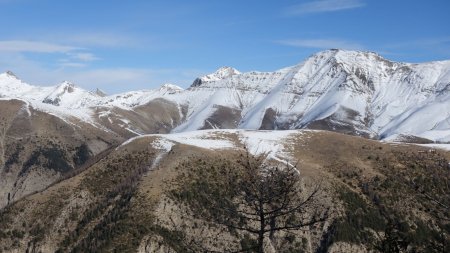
(252, 196)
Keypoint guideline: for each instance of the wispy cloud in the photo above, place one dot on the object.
(322, 43)
(34, 46)
(99, 39)
(323, 6)
(427, 43)
(110, 79)
(86, 57)
(110, 76)
(421, 48)
(108, 40)
(65, 64)
(73, 56)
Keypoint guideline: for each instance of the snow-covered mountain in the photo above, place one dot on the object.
(347, 91)
(221, 73)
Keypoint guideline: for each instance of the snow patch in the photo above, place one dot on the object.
(163, 144)
(274, 144)
(204, 139)
(445, 147)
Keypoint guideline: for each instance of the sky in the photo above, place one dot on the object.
(122, 45)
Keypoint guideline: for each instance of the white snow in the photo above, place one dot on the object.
(221, 73)
(437, 146)
(208, 139)
(266, 142)
(133, 131)
(163, 144)
(274, 144)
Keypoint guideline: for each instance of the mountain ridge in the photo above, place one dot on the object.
(354, 92)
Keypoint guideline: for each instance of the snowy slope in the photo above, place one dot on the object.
(360, 90)
(274, 144)
(348, 91)
(64, 100)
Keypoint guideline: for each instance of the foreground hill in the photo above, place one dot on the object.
(38, 148)
(121, 202)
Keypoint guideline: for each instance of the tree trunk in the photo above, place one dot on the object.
(261, 241)
(272, 229)
(262, 226)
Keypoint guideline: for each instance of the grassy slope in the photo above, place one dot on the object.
(113, 204)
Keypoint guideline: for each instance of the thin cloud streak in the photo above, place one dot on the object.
(321, 43)
(323, 6)
(34, 47)
(72, 64)
(76, 57)
(425, 43)
(439, 46)
(108, 40)
(100, 39)
(85, 57)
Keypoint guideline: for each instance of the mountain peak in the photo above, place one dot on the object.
(344, 55)
(64, 89)
(219, 74)
(335, 52)
(66, 86)
(11, 84)
(100, 93)
(351, 60)
(11, 74)
(225, 72)
(170, 87)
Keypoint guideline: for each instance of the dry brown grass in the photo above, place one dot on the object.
(335, 160)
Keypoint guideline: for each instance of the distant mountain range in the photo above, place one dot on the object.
(358, 93)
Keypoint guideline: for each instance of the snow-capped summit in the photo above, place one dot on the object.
(11, 85)
(68, 95)
(170, 88)
(221, 73)
(8, 75)
(11, 74)
(55, 96)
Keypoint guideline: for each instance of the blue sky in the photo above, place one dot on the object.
(127, 45)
